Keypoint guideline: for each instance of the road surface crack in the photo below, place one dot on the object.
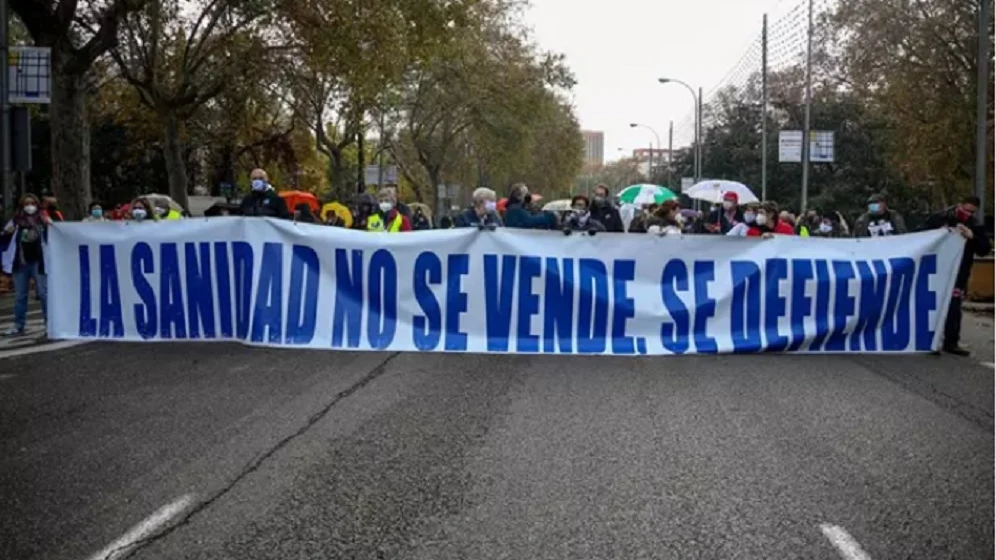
(252, 465)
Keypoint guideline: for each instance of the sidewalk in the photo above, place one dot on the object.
(34, 331)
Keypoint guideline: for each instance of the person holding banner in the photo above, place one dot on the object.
(768, 222)
(744, 228)
(960, 218)
(580, 218)
(263, 199)
(666, 220)
(482, 213)
(517, 214)
(22, 257)
(879, 220)
(141, 210)
(604, 211)
(388, 218)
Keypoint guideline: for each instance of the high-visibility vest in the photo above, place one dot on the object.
(803, 231)
(375, 223)
(174, 215)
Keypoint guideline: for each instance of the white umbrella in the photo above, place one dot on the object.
(712, 191)
(562, 205)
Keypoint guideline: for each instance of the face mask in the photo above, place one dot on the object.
(761, 219)
(826, 228)
(875, 208)
(490, 206)
(386, 206)
(30, 209)
(962, 214)
(580, 210)
(258, 185)
(727, 204)
(749, 217)
(680, 218)
(97, 212)
(599, 199)
(139, 213)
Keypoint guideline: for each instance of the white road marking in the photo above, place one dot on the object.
(848, 548)
(7, 376)
(148, 527)
(989, 364)
(41, 348)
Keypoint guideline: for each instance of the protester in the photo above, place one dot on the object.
(482, 212)
(141, 210)
(95, 213)
(642, 220)
(604, 211)
(518, 214)
(723, 219)
(263, 200)
(879, 220)
(421, 216)
(960, 218)
(22, 257)
(666, 220)
(388, 218)
(748, 224)
(446, 222)
(302, 213)
(403, 208)
(50, 206)
(163, 211)
(580, 219)
(365, 216)
(829, 226)
(769, 223)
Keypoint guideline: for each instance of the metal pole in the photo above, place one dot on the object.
(5, 182)
(981, 99)
(701, 139)
(670, 154)
(650, 163)
(809, 102)
(380, 154)
(764, 108)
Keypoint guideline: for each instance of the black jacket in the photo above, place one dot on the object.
(267, 204)
(608, 216)
(977, 246)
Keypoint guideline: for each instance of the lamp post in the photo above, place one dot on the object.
(698, 124)
(650, 156)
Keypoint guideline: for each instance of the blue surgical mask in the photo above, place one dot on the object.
(874, 208)
(97, 212)
(258, 185)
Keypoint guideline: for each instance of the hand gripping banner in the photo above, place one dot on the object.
(277, 283)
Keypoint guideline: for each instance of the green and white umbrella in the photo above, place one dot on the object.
(645, 194)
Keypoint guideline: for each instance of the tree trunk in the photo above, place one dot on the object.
(70, 137)
(176, 168)
(339, 181)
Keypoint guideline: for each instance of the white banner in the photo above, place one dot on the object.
(277, 283)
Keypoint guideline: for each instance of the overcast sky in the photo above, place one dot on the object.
(619, 48)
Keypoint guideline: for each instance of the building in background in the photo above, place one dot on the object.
(594, 148)
(661, 160)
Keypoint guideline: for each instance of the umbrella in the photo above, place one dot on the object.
(712, 191)
(293, 198)
(343, 213)
(561, 205)
(153, 198)
(645, 194)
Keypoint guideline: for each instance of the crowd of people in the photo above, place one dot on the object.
(22, 248)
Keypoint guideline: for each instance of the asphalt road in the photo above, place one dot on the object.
(221, 451)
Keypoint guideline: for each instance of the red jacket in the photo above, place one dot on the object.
(781, 228)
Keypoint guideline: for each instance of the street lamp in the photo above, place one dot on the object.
(650, 157)
(697, 98)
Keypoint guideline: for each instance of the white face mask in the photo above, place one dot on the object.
(490, 205)
(139, 213)
(749, 217)
(761, 219)
(727, 204)
(258, 185)
(386, 206)
(30, 209)
(826, 228)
